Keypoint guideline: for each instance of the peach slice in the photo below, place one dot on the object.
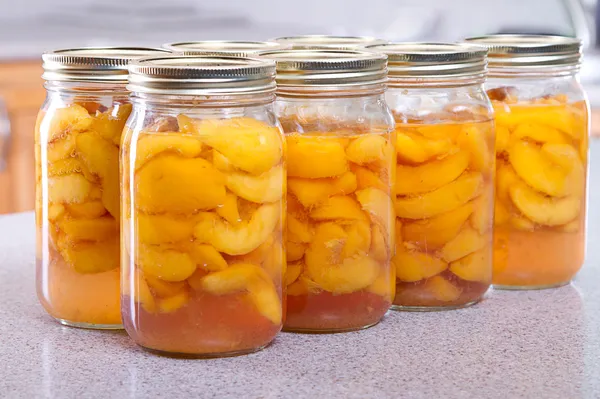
(173, 184)
(338, 207)
(110, 124)
(241, 238)
(539, 133)
(501, 213)
(444, 199)
(442, 289)
(89, 210)
(141, 293)
(295, 251)
(98, 229)
(311, 192)
(229, 209)
(160, 229)
(326, 267)
(267, 187)
(568, 158)
(506, 177)
(222, 163)
(64, 167)
(520, 222)
(151, 145)
(207, 257)
(69, 120)
(385, 284)
(298, 231)
(55, 211)
(474, 141)
(68, 189)
(366, 178)
(264, 296)
(358, 239)
(556, 117)
(166, 264)
(92, 257)
(315, 157)
(440, 131)
(379, 248)
(173, 303)
(571, 227)
(483, 212)
(164, 289)
(435, 232)
(542, 209)
(502, 139)
(414, 149)
(247, 143)
(416, 266)
(465, 243)
(303, 286)
(61, 149)
(474, 267)
(367, 149)
(293, 272)
(380, 209)
(432, 175)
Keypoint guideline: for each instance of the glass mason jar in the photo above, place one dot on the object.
(327, 42)
(203, 206)
(340, 171)
(223, 48)
(542, 127)
(444, 175)
(77, 139)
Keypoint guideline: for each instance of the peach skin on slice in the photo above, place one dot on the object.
(315, 157)
(267, 187)
(474, 267)
(241, 238)
(542, 209)
(416, 266)
(326, 267)
(432, 175)
(444, 199)
(465, 243)
(247, 143)
(151, 145)
(170, 183)
(166, 264)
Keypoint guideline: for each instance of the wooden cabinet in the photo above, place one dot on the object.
(21, 89)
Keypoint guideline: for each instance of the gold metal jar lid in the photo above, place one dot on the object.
(527, 52)
(93, 64)
(327, 70)
(452, 62)
(316, 42)
(222, 47)
(201, 75)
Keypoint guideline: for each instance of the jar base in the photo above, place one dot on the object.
(89, 326)
(530, 287)
(326, 331)
(401, 308)
(215, 355)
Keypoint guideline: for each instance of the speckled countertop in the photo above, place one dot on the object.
(543, 344)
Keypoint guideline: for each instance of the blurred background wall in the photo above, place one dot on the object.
(30, 27)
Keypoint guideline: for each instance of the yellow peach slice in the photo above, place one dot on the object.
(267, 187)
(571, 227)
(539, 133)
(247, 143)
(274, 263)
(568, 158)
(557, 117)
(173, 303)
(367, 149)
(380, 209)
(69, 120)
(303, 286)
(263, 295)
(89, 210)
(110, 124)
(442, 289)
(241, 238)
(501, 213)
(92, 257)
(465, 243)
(326, 267)
(61, 149)
(506, 177)
(414, 149)
(358, 239)
(293, 272)
(502, 139)
(160, 229)
(68, 189)
(385, 284)
(162, 288)
(141, 293)
(440, 131)
(207, 257)
(542, 209)
(64, 167)
(98, 229)
(229, 209)
(483, 212)
(474, 267)
(166, 264)
(520, 222)
(366, 178)
(294, 251)
(435, 232)
(55, 211)
(298, 231)
(379, 248)
(444, 199)
(151, 145)
(173, 184)
(222, 163)
(315, 157)
(432, 175)
(338, 207)
(474, 141)
(311, 192)
(416, 266)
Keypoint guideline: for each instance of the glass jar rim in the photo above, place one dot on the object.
(232, 48)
